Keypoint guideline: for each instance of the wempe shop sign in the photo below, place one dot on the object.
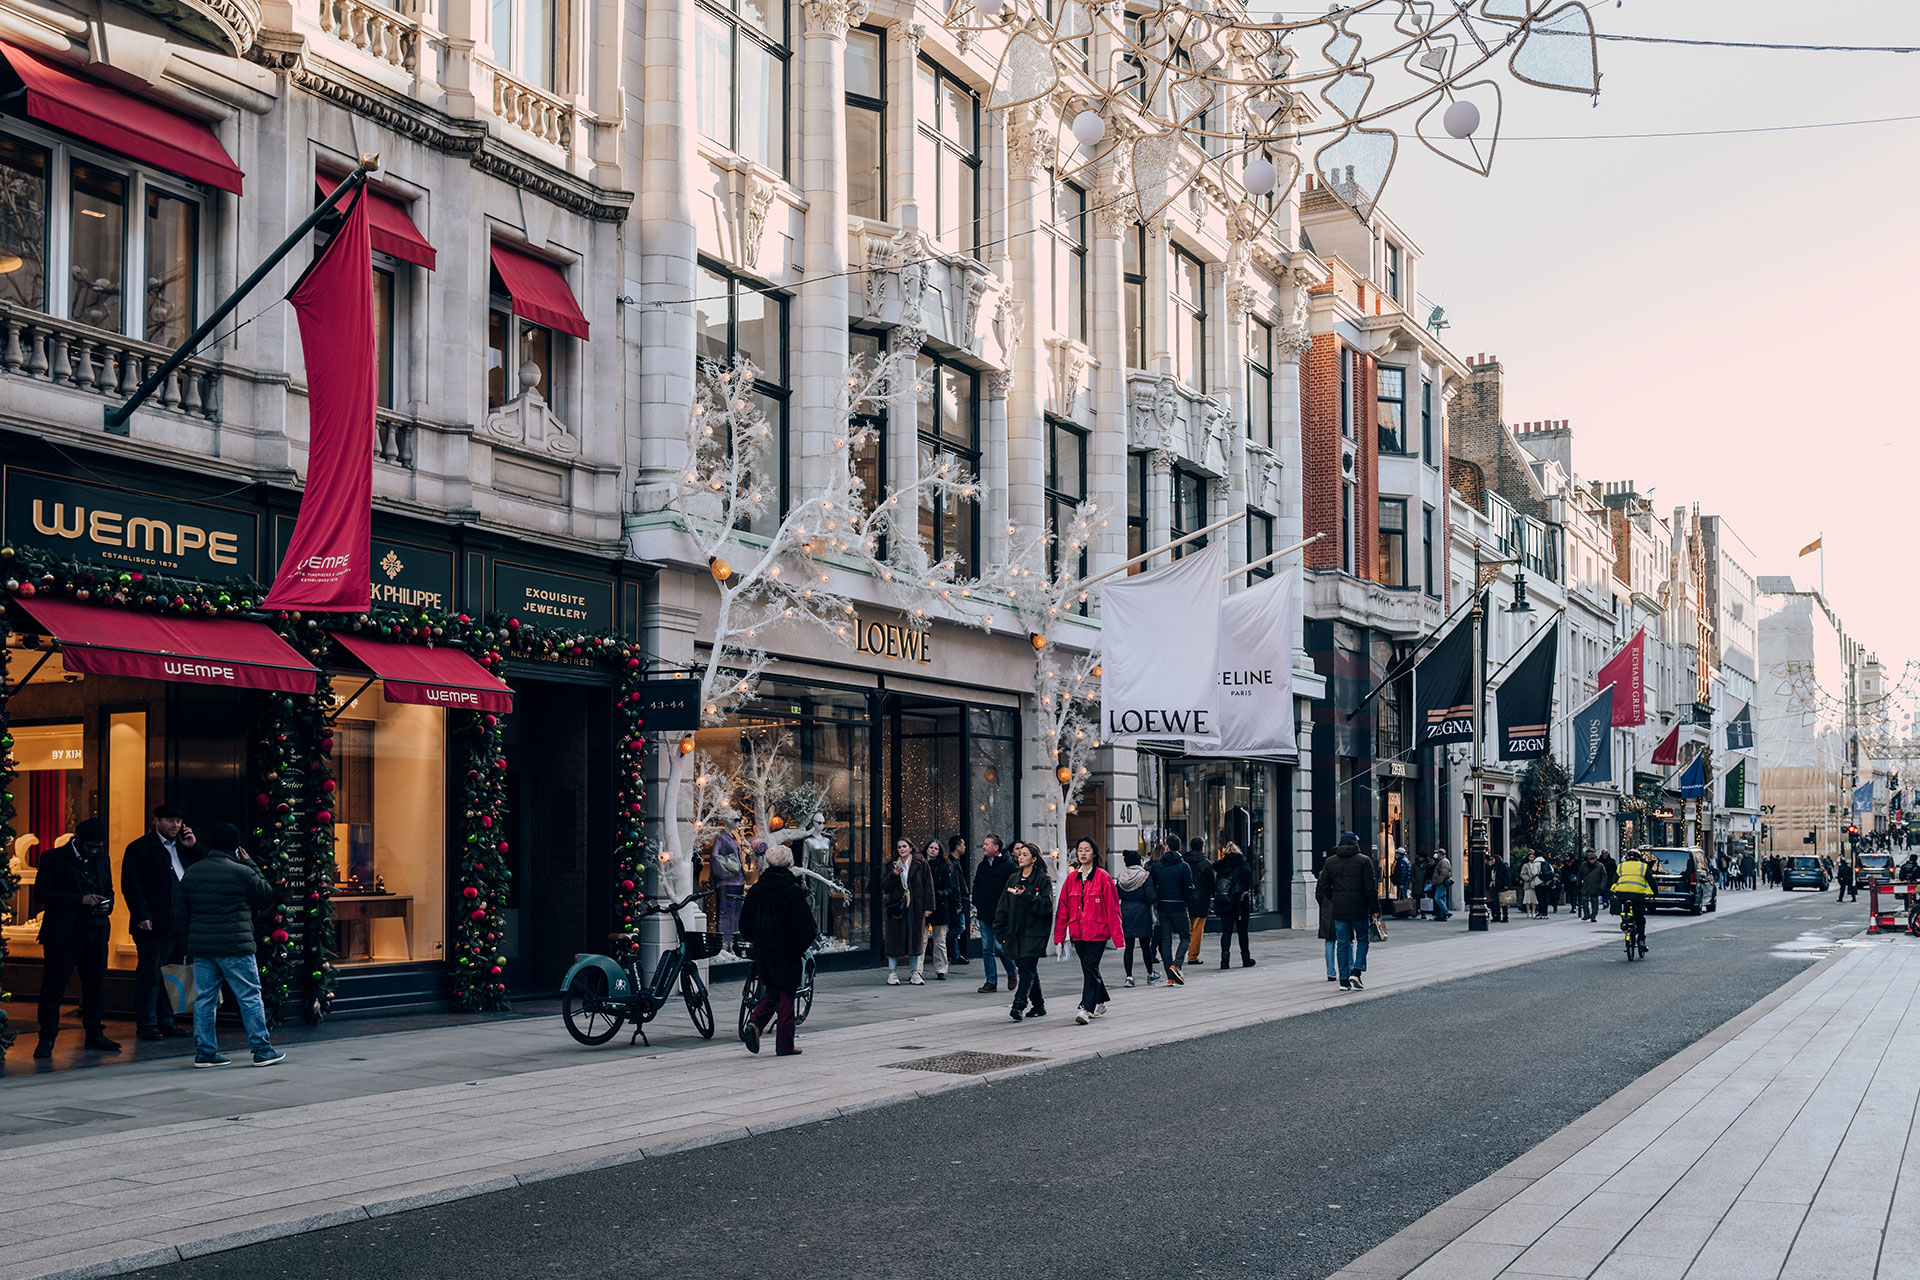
(129, 528)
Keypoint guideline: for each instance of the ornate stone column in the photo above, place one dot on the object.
(662, 326)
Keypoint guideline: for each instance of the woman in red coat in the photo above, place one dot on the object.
(1089, 914)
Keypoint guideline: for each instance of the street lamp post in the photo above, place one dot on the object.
(1479, 838)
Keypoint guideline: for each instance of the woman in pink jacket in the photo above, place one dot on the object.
(1090, 915)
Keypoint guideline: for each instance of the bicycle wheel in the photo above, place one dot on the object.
(803, 998)
(699, 1002)
(749, 997)
(585, 1009)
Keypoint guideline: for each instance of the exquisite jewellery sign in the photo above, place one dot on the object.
(547, 598)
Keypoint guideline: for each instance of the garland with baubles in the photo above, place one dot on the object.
(292, 842)
(9, 883)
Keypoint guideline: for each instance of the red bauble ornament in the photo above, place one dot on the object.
(469, 892)
(496, 971)
(324, 816)
(478, 914)
(327, 785)
(280, 935)
(638, 744)
(491, 721)
(262, 800)
(626, 886)
(503, 846)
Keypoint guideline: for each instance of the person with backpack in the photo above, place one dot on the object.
(1201, 900)
(1136, 914)
(1233, 901)
(1172, 887)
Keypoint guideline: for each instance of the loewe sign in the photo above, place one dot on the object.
(892, 640)
(128, 528)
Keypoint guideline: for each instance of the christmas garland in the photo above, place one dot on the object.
(293, 844)
(9, 883)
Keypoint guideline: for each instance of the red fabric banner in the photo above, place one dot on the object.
(329, 564)
(1627, 673)
(1668, 752)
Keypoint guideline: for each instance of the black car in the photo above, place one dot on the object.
(1872, 868)
(1804, 872)
(1681, 879)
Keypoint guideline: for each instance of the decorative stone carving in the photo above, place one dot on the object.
(1243, 292)
(883, 259)
(999, 384)
(1263, 474)
(1292, 341)
(912, 253)
(228, 25)
(913, 34)
(1013, 322)
(526, 424)
(1115, 209)
(978, 283)
(833, 17)
(1145, 429)
(1070, 361)
(1027, 145)
(1217, 447)
(757, 201)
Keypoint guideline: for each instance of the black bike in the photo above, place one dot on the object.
(601, 994)
(1633, 925)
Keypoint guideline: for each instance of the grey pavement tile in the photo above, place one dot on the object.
(1513, 1224)
(1751, 1241)
(1668, 1233)
(83, 1263)
(233, 1233)
(1466, 1260)
(1631, 1267)
(428, 1192)
(1569, 1251)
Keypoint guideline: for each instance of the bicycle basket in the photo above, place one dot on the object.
(703, 946)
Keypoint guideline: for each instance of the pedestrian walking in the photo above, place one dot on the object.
(1136, 914)
(962, 901)
(1023, 923)
(1442, 885)
(1842, 876)
(1500, 876)
(1172, 889)
(1749, 867)
(989, 882)
(1593, 883)
(1402, 875)
(1201, 901)
(1233, 901)
(149, 870)
(1348, 884)
(776, 919)
(1089, 917)
(74, 888)
(940, 924)
(216, 907)
(1570, 883)
(906, 905)
(1326, 931)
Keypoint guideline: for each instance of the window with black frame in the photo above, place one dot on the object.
(1133, 274)
(1346, 393)
(1426, 422)
(1259, 542)
(1136, 508)
(1390, 396)
(1259, 381)
(866, 75)
(949, 435)
(740, 78)
(947, 156)
(1426, 552)
(1189, 508)
(1346, 528)
(1393, 543)
(1393, 271)
(513, 343)
(734, 318)
(1187, 322)
(869, 449)
(1066, 490)
(1066, 259)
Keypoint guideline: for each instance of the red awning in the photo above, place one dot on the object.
(432, 677)
(103, 641)
(114, 118)
(539, 291)
(391, 225)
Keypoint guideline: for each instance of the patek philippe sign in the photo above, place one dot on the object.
(406, 575)
(128, 528)
(892, 640)
(546, 598)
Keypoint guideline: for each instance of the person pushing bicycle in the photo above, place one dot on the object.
(1633, 893)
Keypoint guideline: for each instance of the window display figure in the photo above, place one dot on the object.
(819, 851)
(726, 874)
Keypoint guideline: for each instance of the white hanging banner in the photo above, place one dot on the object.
(1159, 646)
(1255, 672)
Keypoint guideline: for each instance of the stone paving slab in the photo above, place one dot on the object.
(367, 1154)
(1779, 1148)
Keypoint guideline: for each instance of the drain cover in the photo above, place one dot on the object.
(965, 1064)
(72, 1115)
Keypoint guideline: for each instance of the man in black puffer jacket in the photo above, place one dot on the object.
(1348, 885)
(214, 910)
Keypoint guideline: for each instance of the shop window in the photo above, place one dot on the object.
(949, 432)
(1066, 259)
(1259, 542)
(866, 76)
(525, 35)
(99, 242)
(1259, 381)
(1066, 490)
(1393, 543)
(740, 78)
(1390, 394)
(1189, 509)
(1187, 321)
(735, 319)
(947, 156)
(389, 765)
(1136, 508)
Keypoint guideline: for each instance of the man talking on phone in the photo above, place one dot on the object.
(75, 887)
(153, 865)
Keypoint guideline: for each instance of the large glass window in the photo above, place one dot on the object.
(1426, 420)
(866, 72)
(1189, 508)
(1426, 552)
(947, 156)
(734, 318)
(1393, 543)
(1136, 508)
(740, 78)
(1390, 395)
(98, 236)
(513, 344)
(950, 436)
(1346, 528)
(1187, 322)
(1260, 382)
(1393, 270)
(1259, 542)
(1066, 490)
(525, 39)
(389, 765)
(1133, 267)
(382, 336)
(173, 238)
(870, 429)
(23, 224)
(1066, 260)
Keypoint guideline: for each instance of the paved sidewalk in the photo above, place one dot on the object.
(108, 1201)
(1787, 1149)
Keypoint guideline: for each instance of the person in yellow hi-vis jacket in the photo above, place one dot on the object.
(1633, 893)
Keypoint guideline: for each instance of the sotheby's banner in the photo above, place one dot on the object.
(1255, 672)
(1159, 651)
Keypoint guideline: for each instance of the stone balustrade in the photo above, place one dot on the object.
(375, 30)
(540, 113)
(109, 365)
(395, 439)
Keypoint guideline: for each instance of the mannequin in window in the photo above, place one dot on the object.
(727, 874)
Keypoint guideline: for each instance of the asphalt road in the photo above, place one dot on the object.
(1279, 1150)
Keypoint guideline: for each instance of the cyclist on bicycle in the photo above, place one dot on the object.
(1633, 892)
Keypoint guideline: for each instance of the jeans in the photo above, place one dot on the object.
(1173, 933)
(1093, 992)
(1332, 970)
(86, 951)
(242, 976)
(989, 946)
(1589, 906)
(1344, 933)
(1442, 910)
(776, 1004)
(152, 1008)
(1233, 920)
(1027, 992)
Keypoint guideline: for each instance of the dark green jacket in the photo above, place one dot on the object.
(1024, 922)
(215, 904)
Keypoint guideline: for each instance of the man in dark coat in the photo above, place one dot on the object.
(216, 907)
(1233, 902)
(1173, 886)
(989, 882)
(777, 919)
(149, 870)
(1202, 901)
(1349, 885)
(75, 891)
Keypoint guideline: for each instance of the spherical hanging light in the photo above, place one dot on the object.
(1260, 177)
(1088, 129)
(1063, 774)
(1461, 119)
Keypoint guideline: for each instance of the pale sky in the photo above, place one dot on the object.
(1722, 318)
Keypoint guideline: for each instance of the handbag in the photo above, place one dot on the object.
(1426, 904)
(1508, 898)
(1376, 932)
(182, 990)
(1402, 907)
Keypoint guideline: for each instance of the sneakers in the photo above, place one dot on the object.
(1356, 984)
(212, 1060)
(1100, 1010)
(1153, 979)
(1038, 1011)
(1082, 1017)
(268, 1057)
(1015, 1013)
(1346, 984)
(1332, 978)
(939, 977)
(750, 1037)
(988, 988)
(1129, 981)
(917, 980)
(893, 979)
(1173, 977)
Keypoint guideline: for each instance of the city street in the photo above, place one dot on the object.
(1282, 1148)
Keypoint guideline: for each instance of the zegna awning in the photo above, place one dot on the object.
(111, 117)
(539, 292)
(431, 677)
(391, 225)
(101, 641)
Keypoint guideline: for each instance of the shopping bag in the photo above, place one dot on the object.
(1376, 932)
(1403, 908)
(181, 989)
(1508, 898)
(1426, 904)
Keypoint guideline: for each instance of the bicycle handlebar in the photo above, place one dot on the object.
(654, 907)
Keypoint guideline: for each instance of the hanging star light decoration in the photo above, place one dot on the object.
(1190, 86)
